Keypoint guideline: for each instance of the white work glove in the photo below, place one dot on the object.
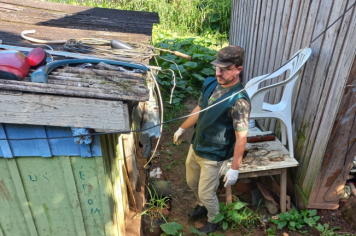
(231, 177)
(177, 139)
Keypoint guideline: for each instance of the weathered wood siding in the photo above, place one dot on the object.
(65, 195)
(271, 32)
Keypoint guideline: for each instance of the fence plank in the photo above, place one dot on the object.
(320, 80)
(22, 196)
(332, 103)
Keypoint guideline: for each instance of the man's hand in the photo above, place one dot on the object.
(231, 177)
(177, 139)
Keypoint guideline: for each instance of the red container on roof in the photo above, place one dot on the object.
(14, 65)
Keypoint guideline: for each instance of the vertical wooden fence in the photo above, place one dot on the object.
(271, 32)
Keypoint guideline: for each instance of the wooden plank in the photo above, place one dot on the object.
(109, 185)
(113, 141)
(283, 193)
(130, 159)
(332, 103)
(249, 32)
(256, 25)
(259, 39)
(293, 15)
(274, 49)
(310, 15)
(307, 91)
(104, 198)
(228, 195)
(283, 28)
(71, 91)
(121, 163)
(59, 111)
(73, 196)
(273, 165)
(13, 223)
(22, 197)
(333, 167)
(259, 173)
(233, 20)
(269, 54)
(266, 21)
(321, 80)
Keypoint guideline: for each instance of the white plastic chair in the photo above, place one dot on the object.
(282, 110)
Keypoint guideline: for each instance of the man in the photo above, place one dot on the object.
(220, 133)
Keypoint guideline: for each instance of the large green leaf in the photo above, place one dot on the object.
(236, 217)
(239, 205)
(320, 227)
(282, 224)
(199, 77)
(195, 231)
(171, 228)
(208, 71)
(219, 217)
(312, 212)
(190, 64)
(225, 225)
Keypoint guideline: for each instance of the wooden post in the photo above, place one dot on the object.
(228, 195)
(283, 193)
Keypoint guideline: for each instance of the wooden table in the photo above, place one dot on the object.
(273, 168)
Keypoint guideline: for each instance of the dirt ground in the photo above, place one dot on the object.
(171, 160)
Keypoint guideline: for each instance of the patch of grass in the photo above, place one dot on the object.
(181, 16)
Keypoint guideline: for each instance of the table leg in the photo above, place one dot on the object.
(228, 195)
(283, 193)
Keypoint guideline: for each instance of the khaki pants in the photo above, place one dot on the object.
(203, 179)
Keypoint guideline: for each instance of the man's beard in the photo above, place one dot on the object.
(223, 81)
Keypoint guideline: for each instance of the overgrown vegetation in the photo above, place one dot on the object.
(237, 216)
(182, 17)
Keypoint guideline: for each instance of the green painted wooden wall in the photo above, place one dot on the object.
(64, 195)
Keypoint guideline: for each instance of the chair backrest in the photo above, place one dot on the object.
(294, 65)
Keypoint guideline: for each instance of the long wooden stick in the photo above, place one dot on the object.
(129, 186)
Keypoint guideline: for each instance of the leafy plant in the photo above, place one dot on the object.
(236, 214)
(172, 228)
(325, 231)
(190, 75)
(155, 206)
(271, 231)
(295, 220)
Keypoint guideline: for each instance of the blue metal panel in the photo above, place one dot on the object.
(95, 146)
(4, 144)
(51, 145)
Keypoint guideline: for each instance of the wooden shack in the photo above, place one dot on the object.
(50, 182)
(324, 104)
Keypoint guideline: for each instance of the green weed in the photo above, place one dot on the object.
(169, 166)
(237, 215)
(295, 220)
(155, 206)
(271, 231)
(325, 231)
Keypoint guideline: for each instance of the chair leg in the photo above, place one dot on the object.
(290, 140)
(283, 133)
